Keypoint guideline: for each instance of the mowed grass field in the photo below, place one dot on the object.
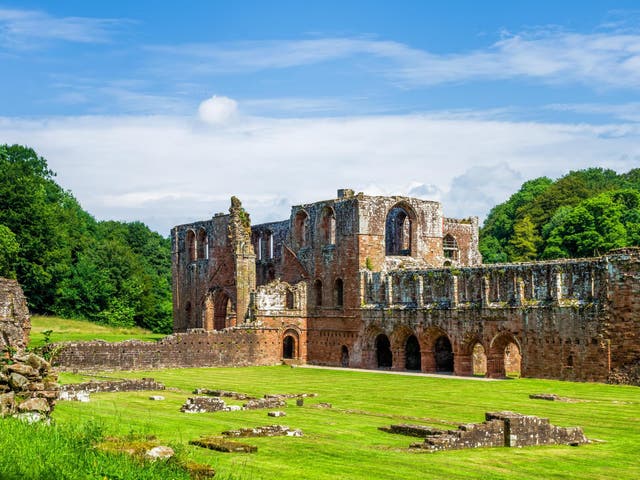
(65, 330)
(344, 442)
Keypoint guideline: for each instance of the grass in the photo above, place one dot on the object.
(344, 442)
(81, 330)
(66, 452)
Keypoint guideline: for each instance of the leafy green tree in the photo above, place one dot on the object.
(9, 249)
(523, 244)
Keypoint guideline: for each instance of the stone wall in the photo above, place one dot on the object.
(500, 429)
(234, 347)
(15, 323)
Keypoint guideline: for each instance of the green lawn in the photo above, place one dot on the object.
(344, 443)
(80, 330)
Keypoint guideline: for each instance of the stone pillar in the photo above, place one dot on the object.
(389, 290)
(420, 292)
(454, 291)
(244, 258)
(485, 286)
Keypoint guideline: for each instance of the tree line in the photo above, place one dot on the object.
(71, 265)
(585, 213)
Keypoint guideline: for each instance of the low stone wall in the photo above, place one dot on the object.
(133, 385)
(500, 429)
(230, 347)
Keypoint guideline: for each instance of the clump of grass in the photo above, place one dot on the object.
(39, 451)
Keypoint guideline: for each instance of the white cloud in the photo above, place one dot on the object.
(28, 28)
(603, 59)
(170, 170)
(217, 110)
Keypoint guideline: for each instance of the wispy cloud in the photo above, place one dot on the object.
(24, 29)
(178, 169)
(601, 59)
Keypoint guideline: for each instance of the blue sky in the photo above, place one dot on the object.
(160, 112)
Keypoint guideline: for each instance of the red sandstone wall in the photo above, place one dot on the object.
(239, 347)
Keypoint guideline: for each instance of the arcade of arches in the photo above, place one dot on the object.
(434, 352)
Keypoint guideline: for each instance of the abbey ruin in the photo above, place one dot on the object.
(383, 282)
(389, 282)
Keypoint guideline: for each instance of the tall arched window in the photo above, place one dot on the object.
(203, 245)
(191, 245)
(301, 229)
(328, 226)
(399, 231)
(338, 292)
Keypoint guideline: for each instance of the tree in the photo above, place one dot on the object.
(9, 249)
(523, 245)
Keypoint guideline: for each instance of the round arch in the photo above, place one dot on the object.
(384, 356)
(504, 357)
(400, 230)
(290, 345)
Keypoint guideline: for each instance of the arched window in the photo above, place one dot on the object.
(450, 246)
(317, 290)
(301, 229)
(328, 226)
(399, 231)
(338, 292)
(191, 245)
(203, 245)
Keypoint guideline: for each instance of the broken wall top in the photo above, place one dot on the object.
(15, 323)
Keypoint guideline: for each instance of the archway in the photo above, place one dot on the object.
(328, 226)
(412, 354)
(203, 246)
(479, 360)
(504, 358)
(443, 353)
(384, 356)
(288, 347)
(220, 311)
(398, 231)
(344, 356)
(301, 229)
(191, 245)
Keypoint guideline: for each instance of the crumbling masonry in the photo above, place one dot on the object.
(389, 282)
(384, 282)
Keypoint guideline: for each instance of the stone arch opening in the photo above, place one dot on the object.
(479, 360)
(301, 228)
(384, 356)
(443, 352)
(317, 293)
(344, 356)
(450, 247)
(288, 347)
(338, 292)
(328, 226)
(399, 231)
(191, 245)
(220, 310)
(504, 358)
(203, 245)
(412, 354)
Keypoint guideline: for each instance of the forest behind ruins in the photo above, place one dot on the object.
(119, 273)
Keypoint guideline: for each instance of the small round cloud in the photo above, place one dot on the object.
(217, 110)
